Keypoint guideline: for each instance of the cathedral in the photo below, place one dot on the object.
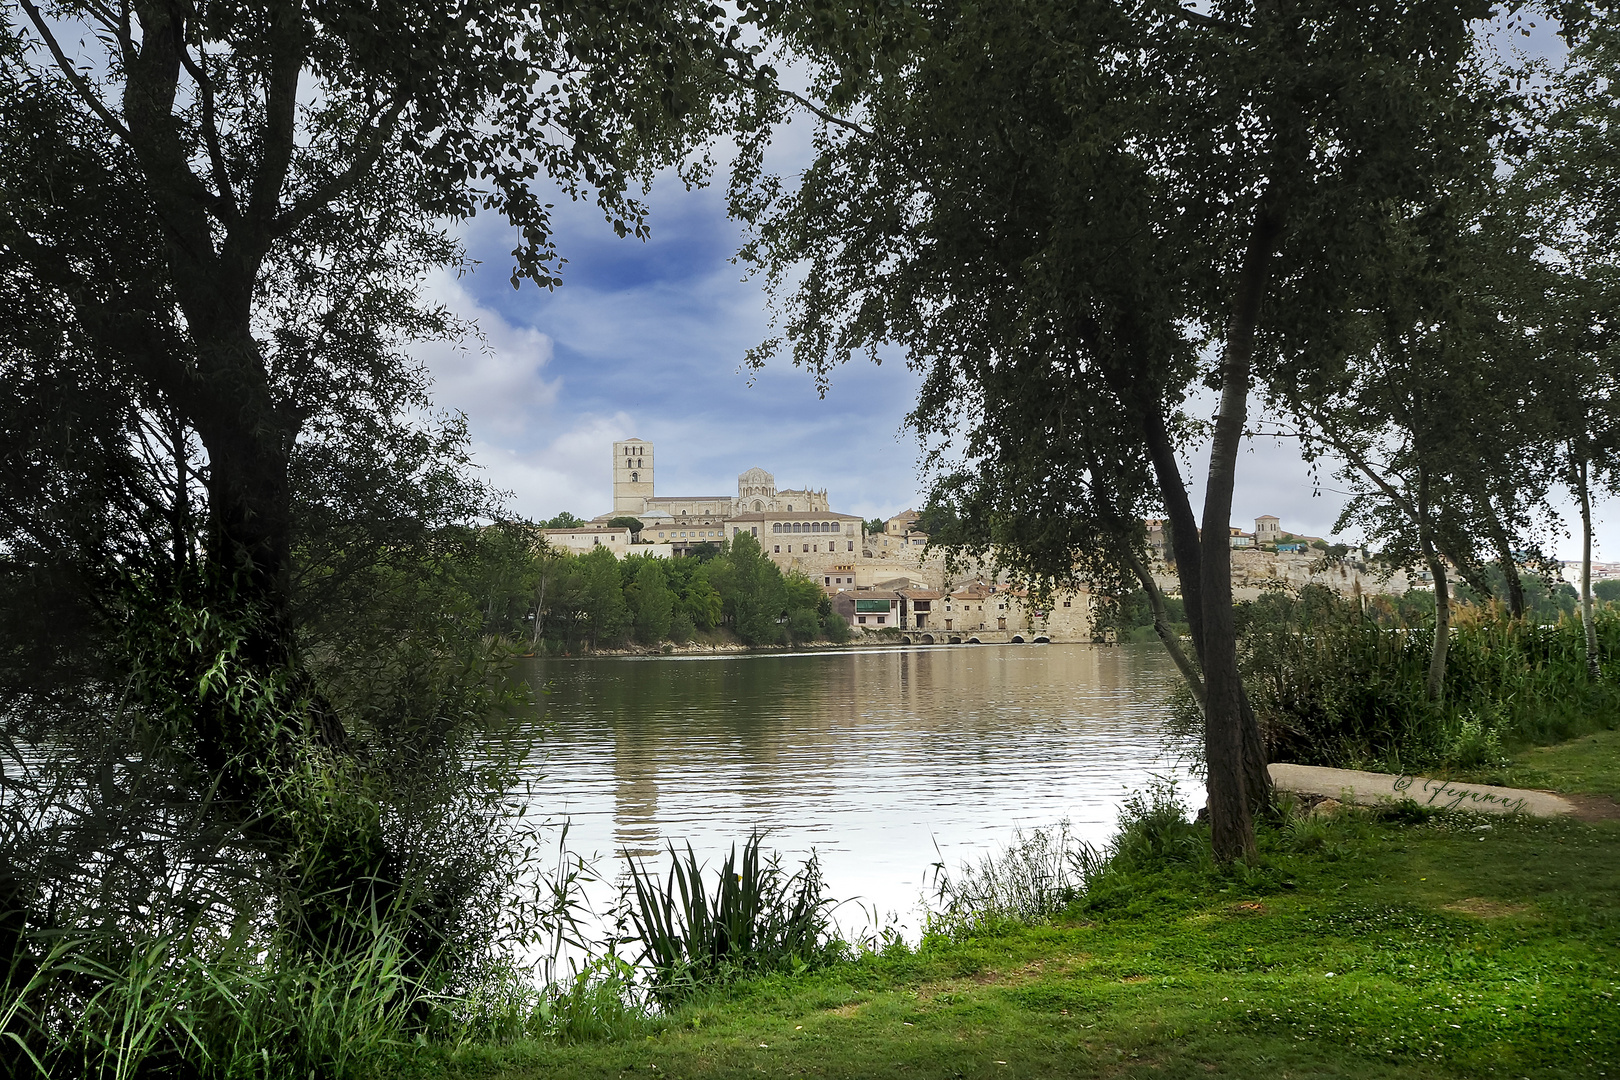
(633, 495)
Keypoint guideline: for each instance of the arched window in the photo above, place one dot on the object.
(634, 477)
(776, 528)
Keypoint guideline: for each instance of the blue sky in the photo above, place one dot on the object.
(646, 339)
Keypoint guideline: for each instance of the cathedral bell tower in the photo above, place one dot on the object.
(632, 476)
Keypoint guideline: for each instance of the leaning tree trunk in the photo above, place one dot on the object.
(1593, 667)
(1510, 572)
(1166, 633)
(1442, 626)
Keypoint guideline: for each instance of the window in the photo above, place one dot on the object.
(776, 528)
(860, 618)
(882, 620)
(1065, 603)
(634, 477)
(826, 581)
(778, 549)
(852, 545)
(807, 549)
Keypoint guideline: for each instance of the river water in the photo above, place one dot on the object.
(882, 761)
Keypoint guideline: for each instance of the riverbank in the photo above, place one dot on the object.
(729, 645)
(1392, 944)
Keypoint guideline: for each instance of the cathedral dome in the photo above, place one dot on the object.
(756, 481)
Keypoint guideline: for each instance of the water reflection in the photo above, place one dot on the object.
(872, 758)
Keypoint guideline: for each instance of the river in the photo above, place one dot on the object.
(882, 761)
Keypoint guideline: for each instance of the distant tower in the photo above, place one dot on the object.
(632, 476)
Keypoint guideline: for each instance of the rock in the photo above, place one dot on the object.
(1326, 808)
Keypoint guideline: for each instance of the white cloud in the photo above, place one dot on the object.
(495, 377)
(572, 472)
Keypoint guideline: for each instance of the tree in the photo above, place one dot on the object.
(651, 602)
(564, 520)
(1444, 423)
(633, 524)
(753, 591)
(605, 612)
(1569, 183)
(218, 206)
(1053, 207)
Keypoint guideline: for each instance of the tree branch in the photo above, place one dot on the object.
(1197, 18)
(79, 83)
(285, 223)
(205, 92)
(848, 125)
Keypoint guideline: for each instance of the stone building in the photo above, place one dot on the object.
(586, 537)
(634, 494)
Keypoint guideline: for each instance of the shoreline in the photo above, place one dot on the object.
(739, 649)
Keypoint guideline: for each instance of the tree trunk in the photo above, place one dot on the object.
(1442, 625)
(1183, 523)
(1231, 823)
(1510, 572)
(1442, 593)
(1186, 542)
(539, 607)
(1166, 634)
(1593, 667)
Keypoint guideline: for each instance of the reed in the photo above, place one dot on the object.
(757, 918)
(1333, 685)
(1034, 877)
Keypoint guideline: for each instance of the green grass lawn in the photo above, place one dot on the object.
(1363, 947)
(1589, 765)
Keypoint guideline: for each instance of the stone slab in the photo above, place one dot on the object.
(1350, 785)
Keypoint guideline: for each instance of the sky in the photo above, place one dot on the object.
(646, 339)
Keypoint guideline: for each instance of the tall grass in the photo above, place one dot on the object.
(1044, 871)
(1037, 875)
(756, 918)
(1332, 685)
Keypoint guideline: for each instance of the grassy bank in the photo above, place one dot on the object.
(1366, 946)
